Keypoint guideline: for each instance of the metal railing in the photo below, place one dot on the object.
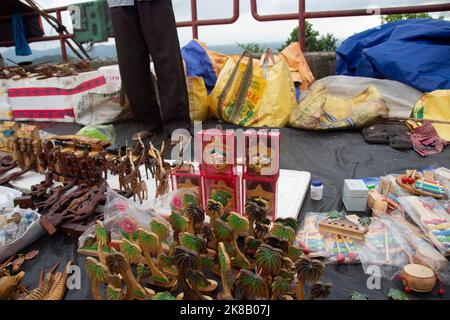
(301, 16)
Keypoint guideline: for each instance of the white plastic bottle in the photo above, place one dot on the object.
(316, 190)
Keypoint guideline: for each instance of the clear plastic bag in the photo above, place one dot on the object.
(419, 249)
(432, 218)
(382, 248)
(341, 250)
(122, 217)
(177, 201)
(309, 237)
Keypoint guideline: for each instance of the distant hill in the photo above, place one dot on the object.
(108, 52)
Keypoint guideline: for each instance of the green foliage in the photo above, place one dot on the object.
(179, 222)
(397, 17)
(251, 285)
(282, 231)
(268, 260)
(223, 231)
(131, 251)
(163, 296)
(365, 221)
(192, 242)
(358, 296)
(160, 229)
(113, 293)
(101, 233)
(238, 224)
(96, 271)
(314, 41)
(143, 271)
(190, 199)
(333, 215)
(221, 196)
(252, 47)
(282, 284)
(395, 294)
(149, 241)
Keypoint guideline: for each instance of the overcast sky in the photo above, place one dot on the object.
(249, 30)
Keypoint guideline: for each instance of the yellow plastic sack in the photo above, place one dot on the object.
(238, 91)
(321, 111)
(247, 95)
(198, 98)
(279, 99)
(434, 106)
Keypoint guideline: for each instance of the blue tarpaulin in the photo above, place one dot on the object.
(22, 47)
(198, 64)
(415, 52)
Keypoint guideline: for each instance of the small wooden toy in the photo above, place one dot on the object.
(151, 247)
(308, 270)
(9, 284)
(337, 223)
(320, 290)
(418, 278)
(252, 286)
(225, 273)
(421, 184)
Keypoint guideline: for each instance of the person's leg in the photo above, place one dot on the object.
(134, 63)
(159, 30)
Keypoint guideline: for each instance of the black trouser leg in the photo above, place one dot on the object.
(158, 27)
(134, 64)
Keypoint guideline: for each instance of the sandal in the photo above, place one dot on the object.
(399, 137)
(376, 134)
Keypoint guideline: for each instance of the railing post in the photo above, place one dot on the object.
(194, 19)
(61, 39)
(301, 24)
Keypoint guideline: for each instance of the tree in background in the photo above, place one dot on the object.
(252, 47)
(397, 17)
(314, 41)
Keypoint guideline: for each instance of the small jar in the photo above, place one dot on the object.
(316, 190)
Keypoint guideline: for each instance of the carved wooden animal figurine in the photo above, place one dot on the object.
(9, 284)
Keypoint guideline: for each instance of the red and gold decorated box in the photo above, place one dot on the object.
(261, 167)
(218, 167)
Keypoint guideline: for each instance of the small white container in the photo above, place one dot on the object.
(316, 190)
(355, 195)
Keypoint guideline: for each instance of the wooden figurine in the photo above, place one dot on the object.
(9, 284)
(256, 212)
(151, 247)
(179, 224)
(118, 264)
(225, 273)
(252, 286)
(282, 285)
(187, 261)
(320, 290)
(285, 229)
(196, 216)
(98, 274)
(162, 170)
(239, 227)
(308, 270)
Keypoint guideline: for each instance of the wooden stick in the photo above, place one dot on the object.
(386, 244)
(418, 120)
